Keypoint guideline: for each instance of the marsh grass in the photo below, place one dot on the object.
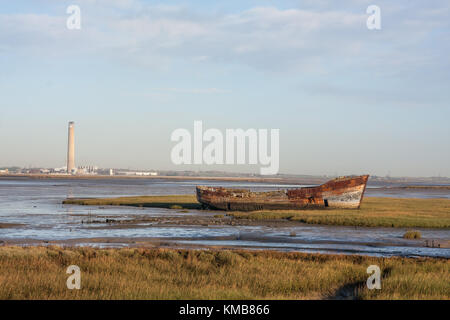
(169, 202)
(374, 212)
(412, 234)
(40, 273)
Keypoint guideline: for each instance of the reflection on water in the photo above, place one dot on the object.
(36, 204)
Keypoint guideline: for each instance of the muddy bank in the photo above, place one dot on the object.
(210, 232)
(211, 219)
(247, 242)
(10, 225)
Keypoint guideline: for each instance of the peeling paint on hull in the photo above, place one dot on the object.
(343, 192)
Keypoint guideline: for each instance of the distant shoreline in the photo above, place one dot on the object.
(423, 187)
(386, 184)
(299, 181)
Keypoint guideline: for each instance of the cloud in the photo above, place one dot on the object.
(267, 38)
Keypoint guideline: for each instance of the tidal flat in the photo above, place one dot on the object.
(145, 213)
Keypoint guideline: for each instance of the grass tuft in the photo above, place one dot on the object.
(412, 234)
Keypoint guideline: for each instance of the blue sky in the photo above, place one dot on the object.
(346, 99)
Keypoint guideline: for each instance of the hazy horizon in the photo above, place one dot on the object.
(347, 100)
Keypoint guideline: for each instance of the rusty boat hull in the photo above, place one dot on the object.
(343, 192)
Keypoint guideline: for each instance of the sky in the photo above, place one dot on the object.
(346, 99)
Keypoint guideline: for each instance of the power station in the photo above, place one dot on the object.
(88, 169)
(71, 149)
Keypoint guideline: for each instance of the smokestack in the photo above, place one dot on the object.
(71, 148)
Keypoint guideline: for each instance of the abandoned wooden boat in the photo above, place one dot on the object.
(343, 192)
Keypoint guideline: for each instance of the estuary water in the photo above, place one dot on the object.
(31, 213)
